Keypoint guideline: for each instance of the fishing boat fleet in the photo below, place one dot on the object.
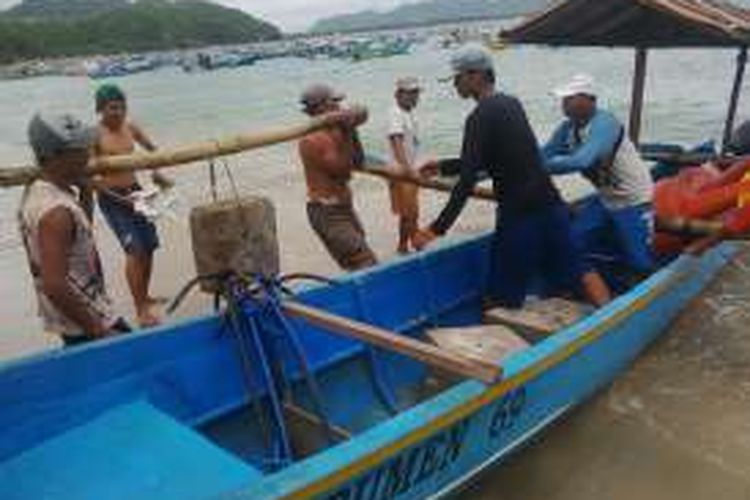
(394, 382)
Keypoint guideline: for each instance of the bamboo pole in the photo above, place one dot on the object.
(19, 176)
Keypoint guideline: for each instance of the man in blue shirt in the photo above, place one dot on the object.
(592, 142)
(532, 236)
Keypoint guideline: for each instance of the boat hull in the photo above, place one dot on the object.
(191, 373)
(434, 448)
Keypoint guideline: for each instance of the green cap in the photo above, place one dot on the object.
(106, 93)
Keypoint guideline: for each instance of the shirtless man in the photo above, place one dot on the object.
(136, 234)
(329, 156)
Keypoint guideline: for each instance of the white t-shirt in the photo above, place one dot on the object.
(404, 123)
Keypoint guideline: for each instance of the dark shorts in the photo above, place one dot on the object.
(342, 234)
(120, 327)
(134, 231)
(534, 248)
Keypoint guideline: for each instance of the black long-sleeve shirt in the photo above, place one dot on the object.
(498, 139)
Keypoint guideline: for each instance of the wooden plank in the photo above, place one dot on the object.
(540, 316)
(421, 351)
(492, 343)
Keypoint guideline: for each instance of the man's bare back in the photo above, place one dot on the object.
(328, 158)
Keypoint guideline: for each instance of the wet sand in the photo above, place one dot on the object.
(675, 426)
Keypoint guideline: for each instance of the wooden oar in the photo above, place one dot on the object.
(434, 356)
(19, 176)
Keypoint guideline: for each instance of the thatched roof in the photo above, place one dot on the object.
(632, 23)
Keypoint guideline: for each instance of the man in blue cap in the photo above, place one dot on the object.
(57, 235)
(532, 235)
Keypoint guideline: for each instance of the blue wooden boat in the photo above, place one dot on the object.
(253, 403)
(171, 414)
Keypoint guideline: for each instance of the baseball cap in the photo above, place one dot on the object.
(581, 84)
(318, 93)
(471, 58)
(408, 84)
(50, 135)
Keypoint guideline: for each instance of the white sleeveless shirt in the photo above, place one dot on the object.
(84, 275)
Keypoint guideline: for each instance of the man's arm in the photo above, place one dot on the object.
(140, 137)
(56, 233)
(472, 162)
(603, 136)
(556, 144)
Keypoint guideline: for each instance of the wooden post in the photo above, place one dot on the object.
(735, 98)
(421, 351)
(636, 105)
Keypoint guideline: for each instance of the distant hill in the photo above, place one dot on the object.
(141, 26)
(428, 12)
(64, 9)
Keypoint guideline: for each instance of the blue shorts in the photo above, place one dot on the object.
(623, 235)
(534, 248)
(134, 231)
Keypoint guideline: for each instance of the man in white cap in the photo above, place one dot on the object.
(58, 238)
(404, 153)
(329, 156)
(532, 236)
(592, 142)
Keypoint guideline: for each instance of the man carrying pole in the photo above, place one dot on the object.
(329, 156)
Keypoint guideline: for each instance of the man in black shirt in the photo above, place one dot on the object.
(533, 228)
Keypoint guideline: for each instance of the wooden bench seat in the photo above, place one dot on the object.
(538, 318)
(491, 343)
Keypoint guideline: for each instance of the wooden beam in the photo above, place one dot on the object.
(639, 83)
(734, 98)
(392, 341)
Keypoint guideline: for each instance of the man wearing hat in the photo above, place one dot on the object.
(592, 142)
(532, 237)
(328, 157)
(404, 151)
(58, 238)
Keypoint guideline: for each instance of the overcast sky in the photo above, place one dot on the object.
(295, 15)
